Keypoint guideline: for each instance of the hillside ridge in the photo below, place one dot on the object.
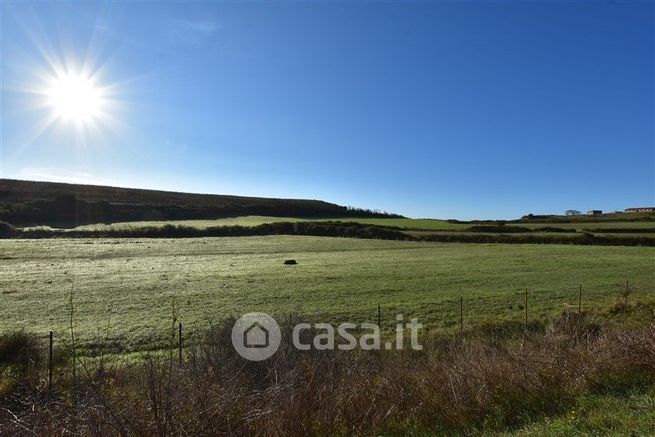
(34, 202)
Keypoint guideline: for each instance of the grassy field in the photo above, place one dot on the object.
(631, 413)
(135, 286)
(594, 225)
(255, 220)
(425, 225)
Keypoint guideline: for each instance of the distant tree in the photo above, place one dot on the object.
(573, 212)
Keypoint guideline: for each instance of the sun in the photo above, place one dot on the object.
(75, 97)
(72, 96)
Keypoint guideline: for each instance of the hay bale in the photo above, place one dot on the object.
(289, 262)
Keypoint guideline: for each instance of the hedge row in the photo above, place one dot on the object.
(331, 229)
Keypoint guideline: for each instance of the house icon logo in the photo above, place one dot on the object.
(256, 336)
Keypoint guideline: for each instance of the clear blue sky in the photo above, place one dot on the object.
(467, 110)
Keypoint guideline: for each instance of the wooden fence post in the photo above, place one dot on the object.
(50, 363)
(379, 318)
(180, 342)
(626, 292)
(526, 309)
(461, 314)
(580, 301)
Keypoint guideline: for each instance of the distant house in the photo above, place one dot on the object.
(642, 209)
(594, 212)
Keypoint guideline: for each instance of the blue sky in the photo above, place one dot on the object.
(449, 110)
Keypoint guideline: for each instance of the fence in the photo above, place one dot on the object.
(530, 305)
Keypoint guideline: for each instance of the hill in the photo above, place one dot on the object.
(29, 202)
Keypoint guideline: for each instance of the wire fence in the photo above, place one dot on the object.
(524, 308)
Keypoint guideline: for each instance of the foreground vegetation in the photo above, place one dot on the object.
(572, 375)
(134, 287)
(628, 411)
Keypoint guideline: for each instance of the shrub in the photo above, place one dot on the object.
(498, 228)
(454, 386)
(554, 229)
(6, 230)
(20, 350)
(352, 230)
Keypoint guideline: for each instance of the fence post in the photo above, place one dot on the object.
(526, 309)
(626, 292)
(180, 342)
(379, 318)
(580, 301)
(50, 363)
(461, 314)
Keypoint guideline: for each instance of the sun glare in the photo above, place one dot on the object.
(72, 95)
(75, 97)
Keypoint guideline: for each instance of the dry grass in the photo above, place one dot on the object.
(466, 384)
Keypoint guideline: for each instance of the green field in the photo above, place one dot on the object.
(135, 285)
(631, 413)
(255, 220)
(415, 225)
(594, 225)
